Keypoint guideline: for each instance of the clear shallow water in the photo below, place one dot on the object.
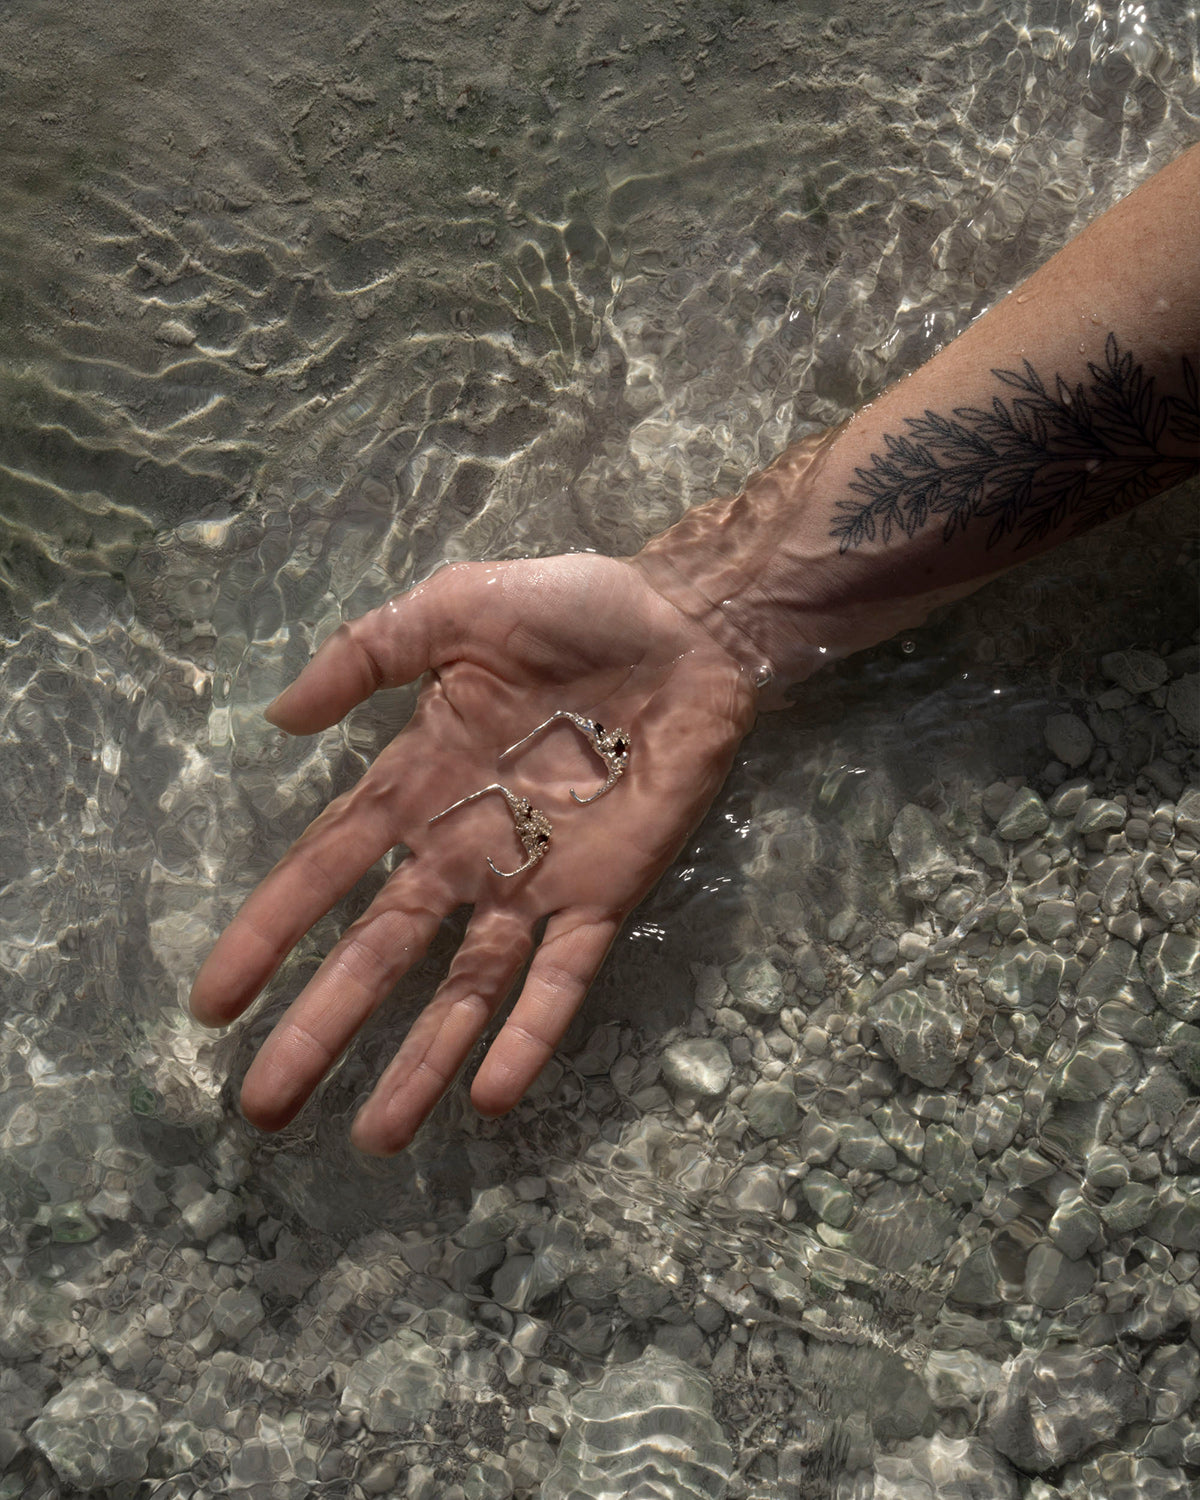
(291, 314)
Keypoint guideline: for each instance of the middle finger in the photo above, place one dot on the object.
(373, 953)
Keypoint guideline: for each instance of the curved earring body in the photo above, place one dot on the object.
(611, 745)
(533, 827)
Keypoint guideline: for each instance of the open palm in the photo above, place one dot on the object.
(505, 646)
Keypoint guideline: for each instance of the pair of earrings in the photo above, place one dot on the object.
(532, 826)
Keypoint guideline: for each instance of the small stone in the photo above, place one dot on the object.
(1162, 774)
(236, 1312)
(1053, 919)
(1187, 813)
(861, 1146)
(1025, 816)
(1052, 1281)
(380, 1477)
(829, 1198)
(951, 1164)
(1171, 964)
(996, 798)
(756, 985)
(818, 1139)
(396, 1383)
(488, 1481)
(1129, 1024)
(1111, 878)
(71, 1224)
(1093, 1068)
(1135, 671)
(756, 1189)
(649, 1417)
(1172, 1376)
(1172, 902)
(94, 1433)
(1126, 925)
(1069, 739)
(771, 1109)
(1185, 1132)
(1176, 1220)
(1105, 1167)
(178, 335)
(1068, 799)
(1115, 974)
(1128, 1208)
(1183, 704)
(1097, 815)
(158, 1321)
(842, 925)
(1132, 1476)
(977, 1281)
(913, 945)
(701, 1067)
(210, 1214)
(922, 854)
(992, 1123)
(1074, 1227)
(1057, 1405)
(958, 1468)
(922, 1032)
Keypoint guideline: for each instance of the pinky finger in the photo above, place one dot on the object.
(563, 968)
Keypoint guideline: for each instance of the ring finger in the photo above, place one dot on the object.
(485, 967)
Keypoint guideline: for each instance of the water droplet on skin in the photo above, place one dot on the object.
(1024, 297)
(908, 647)
(763, 676)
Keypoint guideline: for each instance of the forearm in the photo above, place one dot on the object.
(1070, 401)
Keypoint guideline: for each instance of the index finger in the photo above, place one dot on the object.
(387, 647)
(324, 863)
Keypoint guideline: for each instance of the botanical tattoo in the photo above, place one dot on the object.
(1034, 460)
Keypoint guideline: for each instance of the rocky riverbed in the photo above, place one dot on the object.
(869, 1169)
(907, 1210)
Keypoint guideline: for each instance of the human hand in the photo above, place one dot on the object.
(505, 646)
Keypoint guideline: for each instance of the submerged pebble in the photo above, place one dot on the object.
(922, 1030)
(94, 1433)
(1024, 816)
(701, 1067)
(922, 853)
(1069, 739)
(647, 1427)
(1056, 1405)
(1135, 671)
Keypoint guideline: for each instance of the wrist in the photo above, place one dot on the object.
(719, 565)
(765, 574)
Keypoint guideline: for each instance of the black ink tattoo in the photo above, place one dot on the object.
(1032, 462)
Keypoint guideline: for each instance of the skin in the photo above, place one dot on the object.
(671, 646)
(501, 647)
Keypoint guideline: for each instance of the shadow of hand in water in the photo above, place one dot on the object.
(502, 647)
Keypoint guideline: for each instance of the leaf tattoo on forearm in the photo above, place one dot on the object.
(1031, 462)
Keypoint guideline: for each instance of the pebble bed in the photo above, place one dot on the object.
(870, 1170)
(969, 1143)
